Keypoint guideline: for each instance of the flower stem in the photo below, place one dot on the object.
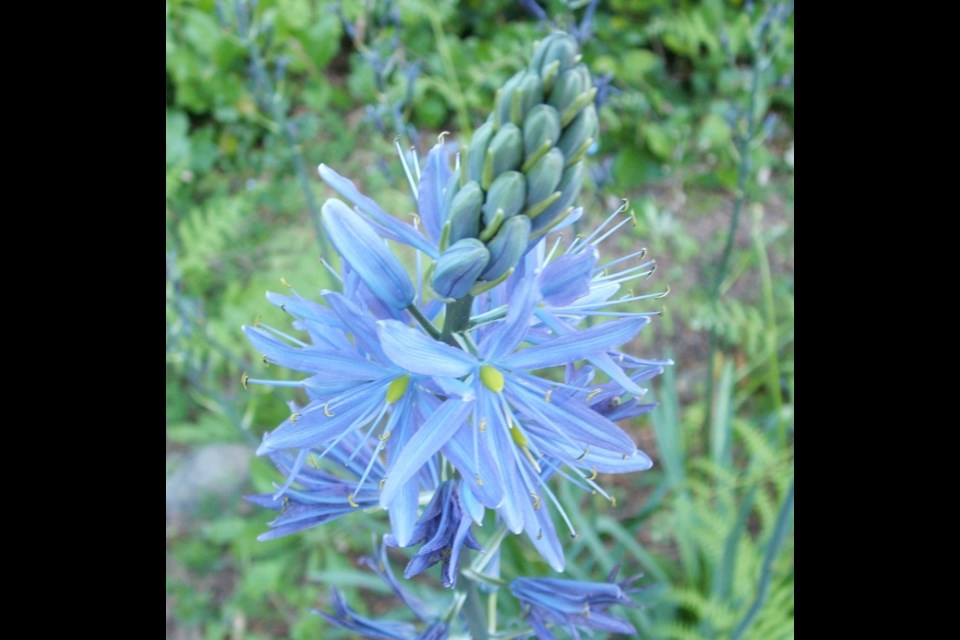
(457, 319)
(424, 321)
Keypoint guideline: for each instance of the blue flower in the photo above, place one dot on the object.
(572, 604)
(443, 529)
(518, 417)
(529, 388)
(345, 617)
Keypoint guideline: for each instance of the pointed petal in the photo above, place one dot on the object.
(431, 436)
(417, 352)
(576, 345)
(365, 252)
(395, 229)
(432, 186)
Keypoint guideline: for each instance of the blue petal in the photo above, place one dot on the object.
(393, 228)
(576, 345)
(567, 278)
(431, 436)
(508, 334)
(432, 186)
(417, 352)
(313, 427)
(365, 252)
(343, 365)
(580, 423)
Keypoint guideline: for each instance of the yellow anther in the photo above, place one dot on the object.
(380, 484)
(294, 417)
(326, 409)
(284, 282)
(351, 502)
(584, 454)
(548, 395)
(593, 394)
(313, 461)
(613, 501)
(243, 380)
(479, 480)
(483, 425)
(593, 476)
(665, 293)
(491, 378)
(285, 504)
(518, 437)
(256, 321)
(397, 388)
(536, 501)
(441, 136)
(615, 401)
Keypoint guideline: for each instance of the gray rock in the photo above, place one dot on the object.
(213, 471)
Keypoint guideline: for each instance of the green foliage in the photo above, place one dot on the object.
(708, 526)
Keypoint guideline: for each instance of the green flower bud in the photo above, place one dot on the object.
(507, 194)
(477, 152)
(505, 97)
(541, 128)
(464, 218)
(504, 154)
(458, 267)
(557, 47)
(544, 176)
(570, 84)
(570, 185)
(581, 133)
(507, 247)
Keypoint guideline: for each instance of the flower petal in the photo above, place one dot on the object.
(417, 352)
(433, 182)
(431, 436)
(576, 345)
(365, 252)
(393, 228)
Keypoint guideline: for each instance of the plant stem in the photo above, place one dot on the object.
(457, 319)
(424, 321)
(743, 148)
(474, 614)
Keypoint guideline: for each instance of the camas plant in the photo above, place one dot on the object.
(471, 385)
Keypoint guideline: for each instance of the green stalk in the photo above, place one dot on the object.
(457, 319)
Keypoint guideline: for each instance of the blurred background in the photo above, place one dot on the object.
(697, 121)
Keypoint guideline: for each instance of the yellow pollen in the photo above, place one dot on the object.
(479, 480)
(593, 394)
(284, 282)
(380, 484)
(483, 425)
(536, 501)
(350, 500)
(243, 380)
(593, 476)
(326, 410)
(491, 378)
(256, 321)
(397, 388)
(285, 504)
(314, 462)
(548, 395)
(383, 437)
(613, 501)
(294, 417)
